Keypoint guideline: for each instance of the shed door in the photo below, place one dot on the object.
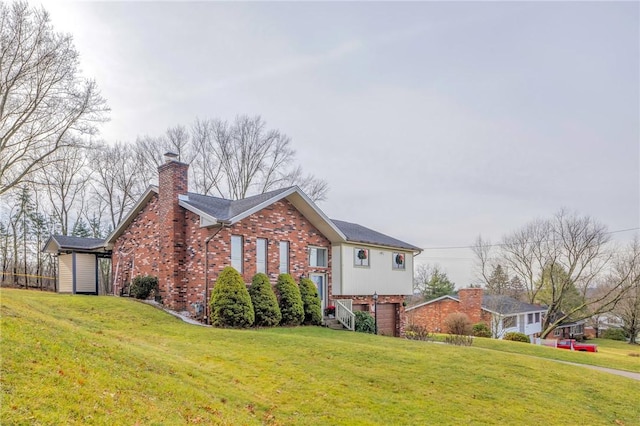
(387, 319)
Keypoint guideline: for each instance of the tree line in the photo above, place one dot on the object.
(56, 177)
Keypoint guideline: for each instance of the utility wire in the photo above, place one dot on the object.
(500, 245)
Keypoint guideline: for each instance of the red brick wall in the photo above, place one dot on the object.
(278, 222)
(433, 315)
(146, 247)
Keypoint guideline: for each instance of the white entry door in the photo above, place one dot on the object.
(320, 281)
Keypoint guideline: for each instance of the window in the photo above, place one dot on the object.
(261, 255)
(537, 317)
(236, 252)
(398, 260)
(361, 257)
(317, 256)
(509, 322)
(284, 257)
(529, 318)
(557, 332)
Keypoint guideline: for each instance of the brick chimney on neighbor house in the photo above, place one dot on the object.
(471, 303)
(172, 182)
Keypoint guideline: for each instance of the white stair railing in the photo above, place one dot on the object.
(344, 313)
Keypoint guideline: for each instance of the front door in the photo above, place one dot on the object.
(320, 280)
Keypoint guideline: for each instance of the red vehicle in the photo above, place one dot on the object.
(576, 346)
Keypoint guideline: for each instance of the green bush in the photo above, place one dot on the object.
(458, 323)
(310, 302)
(290, 301)
(481, 330)
(142, 286)
(265, 302)
(230, 301)
(514, 336)
(614, 334)
(365, 322)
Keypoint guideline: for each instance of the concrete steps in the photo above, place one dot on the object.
(333, 324)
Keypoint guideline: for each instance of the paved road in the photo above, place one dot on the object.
(629, 374)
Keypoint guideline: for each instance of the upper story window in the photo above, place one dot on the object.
(398, 260)
(537, 317)
(317, 256)
(236, 252)
(529, 318)
(261, 255)
(284, 257)
(361, 256)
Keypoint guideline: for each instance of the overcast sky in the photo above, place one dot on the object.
(432, 122)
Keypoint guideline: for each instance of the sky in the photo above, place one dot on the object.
(433, 122)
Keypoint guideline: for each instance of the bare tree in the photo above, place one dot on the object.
(44, 103)
(577, 246)
(118, 179)
(431, 282)
(65, 182)
(628, 309)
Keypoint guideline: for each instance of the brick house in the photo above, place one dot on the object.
(186, 239)
(502, 314)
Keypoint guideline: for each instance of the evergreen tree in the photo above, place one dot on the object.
(291, 306)
(311, 302)
(264, 300)
(230, 301)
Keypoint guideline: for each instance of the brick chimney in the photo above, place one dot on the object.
(471, 303)
(172, 182)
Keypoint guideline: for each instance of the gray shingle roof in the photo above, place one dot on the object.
(223, 209)
(78, 243)
(361, 234)
(507, 305)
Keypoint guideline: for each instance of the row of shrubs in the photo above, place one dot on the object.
(232, 305)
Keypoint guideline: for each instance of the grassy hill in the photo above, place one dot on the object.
(105, 360)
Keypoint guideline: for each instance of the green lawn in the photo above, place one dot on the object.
(106, 360)
(611, 354)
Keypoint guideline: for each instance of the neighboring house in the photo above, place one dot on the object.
(569, 329)
(502, 314)
(186, 239)
(598, 324)
(77, 262)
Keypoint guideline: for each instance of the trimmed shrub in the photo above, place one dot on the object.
(365, 322)
(310, 302)
(417, 332)
(481, 330)
(230, 301)
(290, 301)
(265, 302)
(514, 336)
(142, 286)
(614, 334)
(458, 323)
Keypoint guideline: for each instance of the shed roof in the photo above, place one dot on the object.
(58, 243)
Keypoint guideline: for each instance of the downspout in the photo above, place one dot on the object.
(206, 272)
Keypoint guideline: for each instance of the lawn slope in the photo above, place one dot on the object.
(106, 360)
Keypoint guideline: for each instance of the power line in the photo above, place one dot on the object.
(500, 245)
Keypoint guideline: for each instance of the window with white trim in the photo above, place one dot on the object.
(509, 322)
(530, 318)
(236, 252)
(537, 317)
(398, 260)
(361, 256)
(261, 255)
(284, 257)
(318, 256)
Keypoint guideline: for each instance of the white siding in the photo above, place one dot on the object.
(65, 277)
(85, 273)
(378, 277)
(336, 271)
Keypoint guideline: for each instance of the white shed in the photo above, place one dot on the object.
(77, 262)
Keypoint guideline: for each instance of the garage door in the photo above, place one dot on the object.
(387, 319)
